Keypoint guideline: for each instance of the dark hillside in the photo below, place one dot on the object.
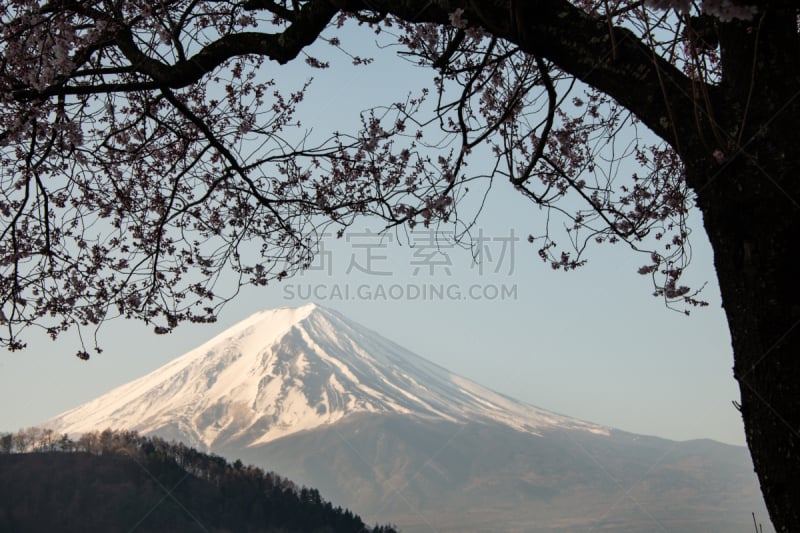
(124, 482)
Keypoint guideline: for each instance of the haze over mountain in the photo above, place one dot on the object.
(329, 403)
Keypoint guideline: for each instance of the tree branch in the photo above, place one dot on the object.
(281, 47)
(620, 65)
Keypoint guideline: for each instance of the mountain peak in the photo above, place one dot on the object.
(263, 325)
(285, 370)
(309, 307)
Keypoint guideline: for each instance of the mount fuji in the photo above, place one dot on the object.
(287, 370)
(329, 403)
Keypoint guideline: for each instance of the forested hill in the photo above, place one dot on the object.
(121, 481)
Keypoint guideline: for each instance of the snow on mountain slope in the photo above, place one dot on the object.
(291, 369)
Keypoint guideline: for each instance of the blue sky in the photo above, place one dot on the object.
(592, 344)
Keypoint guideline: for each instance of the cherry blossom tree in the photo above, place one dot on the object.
(147, 151)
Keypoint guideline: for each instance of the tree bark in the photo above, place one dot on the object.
(751, 208)
(753, 237)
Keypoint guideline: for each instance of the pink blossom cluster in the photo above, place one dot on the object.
(125, 190)
(457, 19)
(727, 10)
(724, 10)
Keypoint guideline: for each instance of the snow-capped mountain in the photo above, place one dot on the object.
(333, 405)
(286, 370)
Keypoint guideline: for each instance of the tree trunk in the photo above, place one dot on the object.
(751, 209)
(751, 214)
